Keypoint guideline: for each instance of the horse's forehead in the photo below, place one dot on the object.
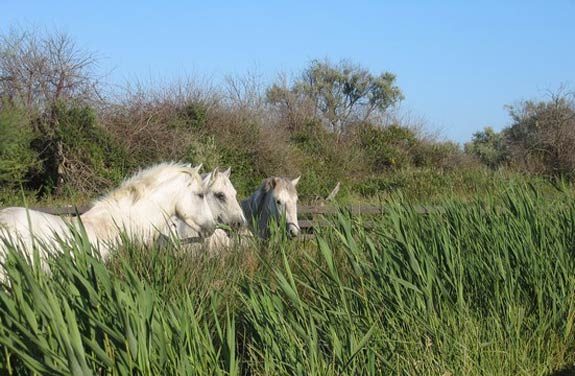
(284, 194)
(223, 184)
(195, 181)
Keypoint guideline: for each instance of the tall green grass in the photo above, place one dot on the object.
(480, 287)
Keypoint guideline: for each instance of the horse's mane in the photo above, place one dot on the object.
(255, 201)
(146, 180)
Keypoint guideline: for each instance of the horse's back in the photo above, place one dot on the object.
(21, 224)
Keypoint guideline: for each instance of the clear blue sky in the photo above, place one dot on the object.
(458, 62)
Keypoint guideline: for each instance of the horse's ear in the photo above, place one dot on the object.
(228, 172)
(213, 175)
(198, 168)
(295, 181)
(268, 184)
(206, 180)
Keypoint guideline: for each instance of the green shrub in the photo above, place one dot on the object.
(245, 176)
(445, 155)
(204, 150)
(17, 158)
(489, 147)
(386, 147)
(541, 139)
(191, 117)
(93, 160)
(326, 160)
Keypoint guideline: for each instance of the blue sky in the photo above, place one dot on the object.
(458, 63)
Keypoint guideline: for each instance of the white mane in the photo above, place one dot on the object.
(146, 180)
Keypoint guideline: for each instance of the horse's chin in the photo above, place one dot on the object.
(293, 231)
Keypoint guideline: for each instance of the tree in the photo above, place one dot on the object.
(41, 73)
(38, 70)
(488, 146)
(340, 94)
(542, 135)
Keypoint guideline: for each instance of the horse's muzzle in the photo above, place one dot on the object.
(293, 230)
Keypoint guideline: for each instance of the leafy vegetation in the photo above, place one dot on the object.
(482, 286)
(17, 159)
(479, 287)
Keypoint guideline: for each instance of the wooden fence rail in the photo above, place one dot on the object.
(310, 216)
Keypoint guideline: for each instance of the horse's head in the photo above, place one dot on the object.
(192, 205)
(221, 196)
(281, 200)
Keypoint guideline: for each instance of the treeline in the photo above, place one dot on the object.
(540, 139)
(62, 131)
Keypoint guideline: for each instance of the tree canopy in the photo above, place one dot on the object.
(340, 94)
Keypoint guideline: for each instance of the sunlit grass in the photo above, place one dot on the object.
(484, 286)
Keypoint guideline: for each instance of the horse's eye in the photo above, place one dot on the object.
(201, 195)
(278, 202)
(220, 196)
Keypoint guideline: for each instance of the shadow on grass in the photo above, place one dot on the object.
(567, 371)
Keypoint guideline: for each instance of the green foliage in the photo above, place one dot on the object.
(204, 150)
(430, 184)
(342, 93)
(443, 155)
(245, 164)
(17, 158)
(386, 147)
(192, 117)
(489, 147)
(474, 287)
(325, 161)
(95, 160)
(542, 136)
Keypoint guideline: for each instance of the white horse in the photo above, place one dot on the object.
(140, 208)
(276, 197)
(222, 200)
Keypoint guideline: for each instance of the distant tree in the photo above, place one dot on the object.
(296, 110)
(41, 73)
(488, 146)
(542, 135)
(340, 94)
(38, 70)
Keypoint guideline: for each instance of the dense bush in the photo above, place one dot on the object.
(93, 159)
(489, 147)
(444, 155)
(386, 147)
(17, 159)
(325, 160)
(541, 138)
(330, 124)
